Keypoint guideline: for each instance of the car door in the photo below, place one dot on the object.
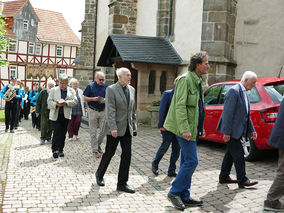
(212, 108)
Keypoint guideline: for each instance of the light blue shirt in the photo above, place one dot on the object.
(245, 95)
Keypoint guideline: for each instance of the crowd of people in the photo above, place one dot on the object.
(58, 109)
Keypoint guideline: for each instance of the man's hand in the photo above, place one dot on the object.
(114, 133)
(186, 135)
(60, 105)
(163, 129)
(135, 132)
(203, 133)
(6, 99)
(254, 135)
(226, 138)
(96, 99)
(37, 114)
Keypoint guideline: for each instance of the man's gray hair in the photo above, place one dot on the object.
(248, 75)
(119, 71)
(197, 58)
(50, 81)
(73, 80)
(99, 73)
(63, 77)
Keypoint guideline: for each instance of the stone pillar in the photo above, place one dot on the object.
(84, 69)
(157, 83)
(122, 16)
(218, 30)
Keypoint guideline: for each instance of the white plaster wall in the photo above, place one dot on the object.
(188, 24)
(22, 47)
(74, 51)
(67, 50)
(45, 49)
(259, 43)
(69, 72)
(21, 72)
(102, 27)
(52, 50)
(147, 17)
(4, 72)
(11, 57)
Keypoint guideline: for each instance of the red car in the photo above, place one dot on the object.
(265, 99)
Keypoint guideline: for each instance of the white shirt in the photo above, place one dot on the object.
(245, 95)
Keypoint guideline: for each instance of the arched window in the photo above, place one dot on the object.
(163, 81)
(152, 82)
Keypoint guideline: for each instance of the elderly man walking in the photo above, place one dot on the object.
(185, 119)
(94, 95)
(235, 123)
(276, 139)
(120, 126)
(42, 110)
(60, 102)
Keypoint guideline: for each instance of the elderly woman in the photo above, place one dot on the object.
(77, 111)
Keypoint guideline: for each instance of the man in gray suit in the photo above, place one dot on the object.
(120, 126)
(276, 139)
(234, 124)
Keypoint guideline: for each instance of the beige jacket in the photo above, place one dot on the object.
(70, 101)
(118, 114)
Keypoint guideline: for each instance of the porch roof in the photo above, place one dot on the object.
(133, 48)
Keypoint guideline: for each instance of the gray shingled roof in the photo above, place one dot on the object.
(132, 48)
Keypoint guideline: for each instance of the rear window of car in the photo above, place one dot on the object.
(275, 92)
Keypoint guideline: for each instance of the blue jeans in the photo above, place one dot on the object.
(168, 139)
(188, 163)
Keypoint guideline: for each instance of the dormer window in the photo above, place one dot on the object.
(26, 24)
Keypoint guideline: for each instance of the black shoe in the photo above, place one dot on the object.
(172, 174)
(227, 180)
(6, 130)
(155, 168)
(248, 183)
(176, 201)
(16, 127)
(55, 154)
(12, 131)
(100, 181)
(125, 189)
(191, 203)
(61, 154)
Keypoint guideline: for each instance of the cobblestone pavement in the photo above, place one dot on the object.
(32, 181)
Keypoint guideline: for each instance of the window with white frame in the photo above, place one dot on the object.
(13, 70)
(26, 24)
(62, 71)
(59, 51)
(31, 48)
(38, 49)
(13, 46)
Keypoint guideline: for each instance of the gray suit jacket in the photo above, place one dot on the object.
(118, 114)
(235, 121)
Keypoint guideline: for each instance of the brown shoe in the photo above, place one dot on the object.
(100, 150)
(97, 155)
(227, 180)
(248, 183)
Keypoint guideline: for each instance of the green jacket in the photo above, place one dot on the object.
(41, 103)
(183, 114)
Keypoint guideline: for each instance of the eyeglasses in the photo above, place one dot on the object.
(101, 79)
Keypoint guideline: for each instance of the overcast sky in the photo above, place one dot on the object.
(72, 10)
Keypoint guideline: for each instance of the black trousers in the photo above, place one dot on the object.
(10, 114)
(234, 154)
(59, 133)
(35, 121)
(18, 112)
(125, 158)
(26, 110)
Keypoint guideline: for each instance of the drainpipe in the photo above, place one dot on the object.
(95, 39)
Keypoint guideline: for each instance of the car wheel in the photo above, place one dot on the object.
(251, 153)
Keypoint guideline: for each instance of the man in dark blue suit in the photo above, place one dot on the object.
(234, 124)
(168, 137)
(276, 140)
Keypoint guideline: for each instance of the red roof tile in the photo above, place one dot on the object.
(54, 28)
(11, 8)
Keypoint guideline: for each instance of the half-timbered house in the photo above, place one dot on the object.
(42, 44)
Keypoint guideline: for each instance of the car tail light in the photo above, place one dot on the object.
(269, 115)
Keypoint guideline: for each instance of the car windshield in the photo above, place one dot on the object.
(275, 92)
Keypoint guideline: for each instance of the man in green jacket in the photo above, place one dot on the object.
(185, 119)
(43, 111)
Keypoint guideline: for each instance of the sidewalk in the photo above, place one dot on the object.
(32, 181)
